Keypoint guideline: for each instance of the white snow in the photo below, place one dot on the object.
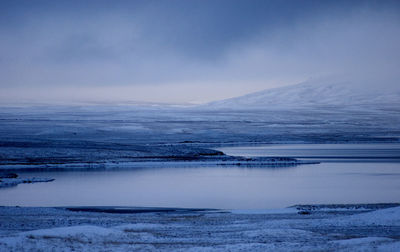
(389, 216)
(211, 231)
(312, 93)
(393, 246)
(71, 231)
(362, 241)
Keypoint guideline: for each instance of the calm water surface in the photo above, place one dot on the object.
(336, 181)
(388, 152)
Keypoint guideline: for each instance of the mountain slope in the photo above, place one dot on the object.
(313, 93)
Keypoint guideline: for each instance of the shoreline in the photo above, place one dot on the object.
(264, 162)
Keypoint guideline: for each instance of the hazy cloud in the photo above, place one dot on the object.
(183, 49)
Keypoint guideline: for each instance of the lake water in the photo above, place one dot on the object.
(388, 152)
(348, 174)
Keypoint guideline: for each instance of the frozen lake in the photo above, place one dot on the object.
(348, 174)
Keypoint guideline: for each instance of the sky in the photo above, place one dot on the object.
(190, 51)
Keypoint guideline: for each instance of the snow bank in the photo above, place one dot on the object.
(266, 230)
(386, 217)
(87, 231)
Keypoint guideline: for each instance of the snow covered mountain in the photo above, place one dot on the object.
(311, 94)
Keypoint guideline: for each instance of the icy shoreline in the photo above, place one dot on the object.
(12, 179)
(234, 161)
(360, 227)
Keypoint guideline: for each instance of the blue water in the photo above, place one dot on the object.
(333, 181)
(387, 152)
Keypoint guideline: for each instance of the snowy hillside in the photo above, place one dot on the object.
(313, 93)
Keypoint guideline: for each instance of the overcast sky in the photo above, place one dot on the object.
(190, 51)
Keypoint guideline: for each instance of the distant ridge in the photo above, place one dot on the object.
(312, 93)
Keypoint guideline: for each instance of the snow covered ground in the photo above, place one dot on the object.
(312, 93)
(56, 136)
(339, 228)
(97, 136)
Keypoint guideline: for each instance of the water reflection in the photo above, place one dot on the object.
(214, 187)
(387, 152)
